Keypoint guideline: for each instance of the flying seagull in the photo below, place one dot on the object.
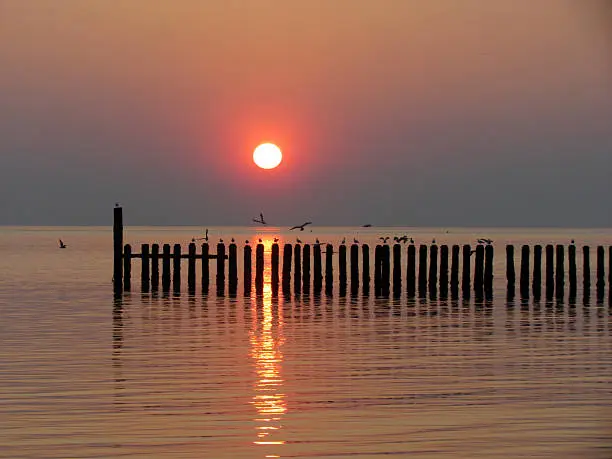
(367, 225)
(62, 245)
(301, 227)
(260, 219)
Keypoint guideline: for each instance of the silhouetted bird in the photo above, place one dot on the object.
(343, 241)
(572, 241)
(384, 239)
(116, 204)
(233, 240)
(355, 241)
(297, 239)
(317, 241)
(433, 241)
(220, 240)
(275, 239)
(62, 245)
(301, 227)
(260, 241)
(246, 242)
(260, 220)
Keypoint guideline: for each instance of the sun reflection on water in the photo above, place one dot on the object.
(266, 350)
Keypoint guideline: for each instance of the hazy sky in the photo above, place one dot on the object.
(390, 112)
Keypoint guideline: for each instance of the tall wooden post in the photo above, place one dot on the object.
(537, 272)
(378, 270)
(205, 268)
(232, 269)
(571, 253)
(488, 271)
(144, 271)
(176, 269)
(479, 270)
(386, 269)
(259, 268)
(306, 268)
(411, 271)
(247, 268)
(560, 272)
(127, 267)
(155, 267)
(550, 272)
(191, 268)
(525, 272)
(117, 249)
(433, 269)
(354, 257)
(297, 268)
(454, 280)
(466, 271)
(342, 268)
(397, 270)
(220, 269)
(329, 269)
(601, 283)
(365, 266)
(510, 273)
(286, 281)
(586, 270)
(317, 281)
(443, 271)
(166, 268)
(422, 269)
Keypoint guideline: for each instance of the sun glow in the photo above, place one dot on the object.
(267, 156)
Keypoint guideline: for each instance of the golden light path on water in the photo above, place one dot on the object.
(266, 351)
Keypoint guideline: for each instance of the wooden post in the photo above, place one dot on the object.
(306, 268)
(479, 269)
(127, 267)
(433, 269)
(191, 268)
(205, 268)
(560, 272)
(354, 269)
(601, 283)
(329, 270)
(297, 268)
(247, 268)
(572, 272)
(176, 269)
(317, 281)
(365, 275)
(510, 273)
(550, 272)
(377, 270)
(422, 269)
(342, 267)
(536, 285)
(454, 280)
(397, 270)
(232, 269)
(287, 254)
(144, 272)
(443, 271)
(411, 271)
(259, 268)
(488, 271)
(386, 269)
(586, 270)
(220, 268)
(275, 260)
(466, 272)
(525, 272)
(155, 267)
(166, 268)
(117, 249)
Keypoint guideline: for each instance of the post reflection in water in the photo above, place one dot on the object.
(266, 351)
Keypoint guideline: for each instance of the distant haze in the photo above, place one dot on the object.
(389, 112)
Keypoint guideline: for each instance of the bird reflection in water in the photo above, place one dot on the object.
(266, 350)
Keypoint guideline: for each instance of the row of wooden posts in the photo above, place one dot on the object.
(434, 275)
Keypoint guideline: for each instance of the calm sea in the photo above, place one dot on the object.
(154, 376)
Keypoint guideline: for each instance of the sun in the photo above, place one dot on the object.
(267, 156)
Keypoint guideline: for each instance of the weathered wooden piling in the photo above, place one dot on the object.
(127, 267)
(220, 268)
(166, 267)
(297, 268)
(329, 269)
(433, 269)
(306, 269)
(117, 249)
(274, 262)
(586, 269)
(571, 253)
(191, 268)
(524, 287)
(144, 268)
(155, 267)
(479, 269)
(317, 280)
(385, 269)
(286, 277)
(176, 268)
(397, 270)
(488, 270)
(560, 271)
(422, 269)
(411, 271)
(247, 268)
(444, 271)
(550, 272)
(354, 260)
(466, 271)
(536, 284)
(365, 279)
(205, 268)
(259, 268)
(510, 272)
(342, 267)
(600, 272)
(377, 270)
(232, 268)
(454, 278)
